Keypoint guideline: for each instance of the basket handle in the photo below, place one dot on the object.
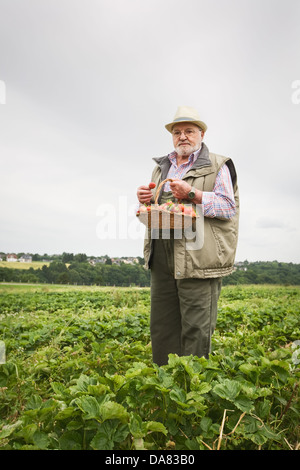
(159, 188)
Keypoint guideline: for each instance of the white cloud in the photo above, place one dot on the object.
(90, 86)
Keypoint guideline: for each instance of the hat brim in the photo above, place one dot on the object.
(200, 124)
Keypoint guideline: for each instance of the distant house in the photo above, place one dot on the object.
(11, 258)
(95, 261)
(130, 260)
(240, 265)
(25, 259)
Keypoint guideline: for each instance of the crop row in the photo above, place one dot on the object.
(79, 374)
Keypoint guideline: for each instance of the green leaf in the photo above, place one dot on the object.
(121, 432)
(155, 426)
(201, 388)
(205, 423)
(66, 413)
(82, 384)
(89, 406)
(191, 444)
(70, 440)
(258, 438)
(34, 402)
(109, 434)
(281, 371)
(139, 369)
(165, 378)
(228, 389)
(113, 410)
(263, 409)
(136, 426)
(27, 432)
(98, 390)
(138, 444)
(243, 403)
(101, 441)
(41, 440)
(58, 388)
(178, 395)
(251, 370)
(9, 429)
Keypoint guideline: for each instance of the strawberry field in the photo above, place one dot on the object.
(78, 373)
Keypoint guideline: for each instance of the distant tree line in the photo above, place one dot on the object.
(77, 270)
(265, 272)
(81, 273)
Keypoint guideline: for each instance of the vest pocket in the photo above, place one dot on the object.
(217, 240)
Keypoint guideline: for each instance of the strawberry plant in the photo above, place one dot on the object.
(79, 374)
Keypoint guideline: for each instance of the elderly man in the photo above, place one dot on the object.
(186, 281)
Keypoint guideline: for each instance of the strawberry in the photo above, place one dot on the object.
(187, 210)
(176, 209)
(152, 185)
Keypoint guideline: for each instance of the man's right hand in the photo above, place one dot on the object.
(144, 194)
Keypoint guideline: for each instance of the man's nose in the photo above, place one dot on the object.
(182, 135)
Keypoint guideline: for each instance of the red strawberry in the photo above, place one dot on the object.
(152, 185)
(188, 210)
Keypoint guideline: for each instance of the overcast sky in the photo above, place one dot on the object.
(86, 88)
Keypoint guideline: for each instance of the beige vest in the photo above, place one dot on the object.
(215, 257)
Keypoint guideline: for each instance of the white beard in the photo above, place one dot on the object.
(185, 150)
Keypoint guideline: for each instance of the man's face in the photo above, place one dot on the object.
(187, 138)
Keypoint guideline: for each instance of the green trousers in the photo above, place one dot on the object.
(183, 312)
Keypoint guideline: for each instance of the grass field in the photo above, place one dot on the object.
(19, 287)
(78, 373)
(18, 265)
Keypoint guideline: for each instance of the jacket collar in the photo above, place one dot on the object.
(203, 160)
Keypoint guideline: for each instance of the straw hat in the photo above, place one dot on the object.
(186, 114)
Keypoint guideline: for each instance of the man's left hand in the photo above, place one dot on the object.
(180, 189)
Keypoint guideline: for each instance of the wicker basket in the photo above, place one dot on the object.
(163, 219)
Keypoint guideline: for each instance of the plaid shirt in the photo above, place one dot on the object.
(218, 203)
